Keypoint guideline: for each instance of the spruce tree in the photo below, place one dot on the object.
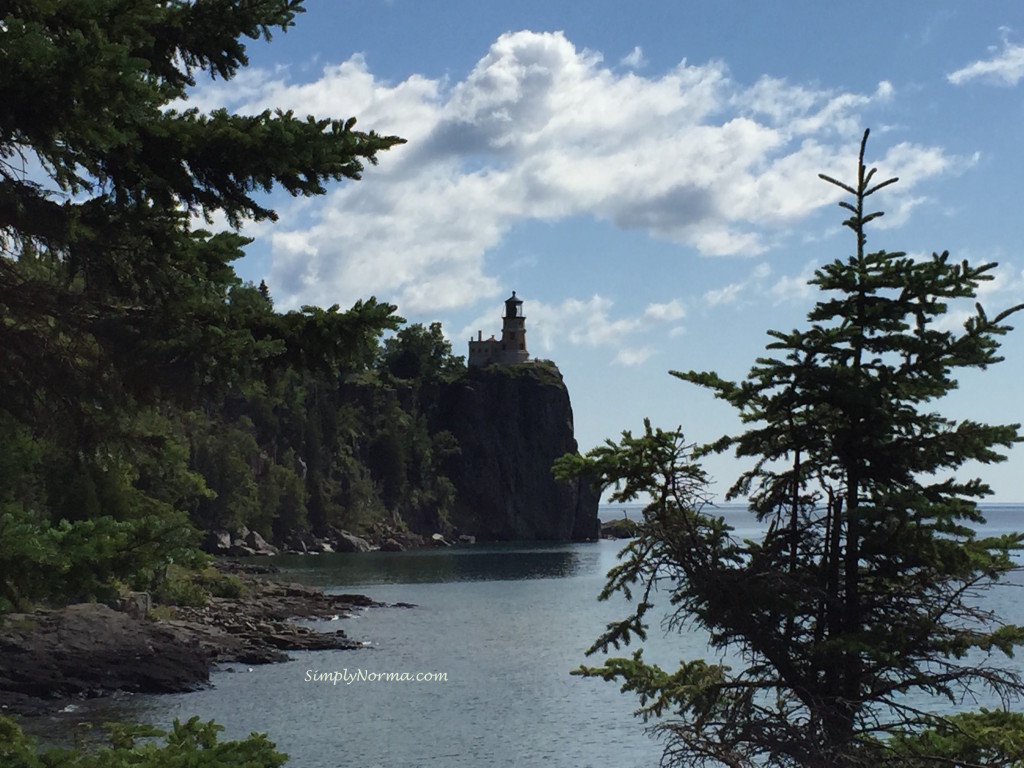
(110, 291)
(119, 305)
(862, 599)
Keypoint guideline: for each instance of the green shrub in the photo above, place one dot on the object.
(219, 584)
(180, 587)
(190, 745)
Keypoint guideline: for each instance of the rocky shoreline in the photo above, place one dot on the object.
(51, 657)
(246, 543)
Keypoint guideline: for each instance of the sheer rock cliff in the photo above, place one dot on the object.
(511, 423)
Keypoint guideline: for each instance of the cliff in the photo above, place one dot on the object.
(511, 423)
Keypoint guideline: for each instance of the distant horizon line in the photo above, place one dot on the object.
(744, 504)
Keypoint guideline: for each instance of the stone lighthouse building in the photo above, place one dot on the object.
(512, 347)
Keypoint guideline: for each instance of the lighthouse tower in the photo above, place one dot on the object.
(513, 332)
(512, 347)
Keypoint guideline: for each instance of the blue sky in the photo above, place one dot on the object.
(645, 177)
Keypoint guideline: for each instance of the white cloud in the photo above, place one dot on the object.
(542, 130)
(734, 292)
(635, 59)
(728, 294)
(899, 212)
(1005, 287)
(795, 288)
(672, 310)
(1003, 291)
(633, 357)
(1005, 68)
(800, 111)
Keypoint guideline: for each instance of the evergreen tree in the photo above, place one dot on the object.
(862, 597)
(117, 311)
(109, 294)
(419, 353)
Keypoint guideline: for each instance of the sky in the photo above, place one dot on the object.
(645, 177)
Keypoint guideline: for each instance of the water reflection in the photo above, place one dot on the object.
(500, 562)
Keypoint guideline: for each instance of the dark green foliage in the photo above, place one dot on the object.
(127, 341)
(194, 587)
(188, 745)
(226, 456)
(864, 590)
(304, 450)
(109, 296)
(544, 370)
(419, 354)
(81, 560)
(144, 389)
(143, 386)
(986, 738)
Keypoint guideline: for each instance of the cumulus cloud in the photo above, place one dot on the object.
(542, 130)
(672, 310)
(794, 288)
(734, 292)
(635, 59)
(1005, 67)
(633, 357)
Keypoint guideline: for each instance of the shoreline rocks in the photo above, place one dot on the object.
(86, 650)
(621, 528)
(246, 543)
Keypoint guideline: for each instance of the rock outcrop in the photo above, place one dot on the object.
(511, 423)
(90, 649)
(84, 650)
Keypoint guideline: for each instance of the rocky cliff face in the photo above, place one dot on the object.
(511, 423)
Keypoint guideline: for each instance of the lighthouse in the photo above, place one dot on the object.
(511, 349)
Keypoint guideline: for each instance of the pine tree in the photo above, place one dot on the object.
(863, 594)
(118, 308)
(104, 279)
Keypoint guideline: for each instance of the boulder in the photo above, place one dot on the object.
(259, 545)
(348, 542)
(621, 528)
(391, 545)
(301, 542)
(216, 542)
(409, 540)
(135, 604)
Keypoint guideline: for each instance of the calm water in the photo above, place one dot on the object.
(505, 624)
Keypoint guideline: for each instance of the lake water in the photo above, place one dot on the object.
(504, 624)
